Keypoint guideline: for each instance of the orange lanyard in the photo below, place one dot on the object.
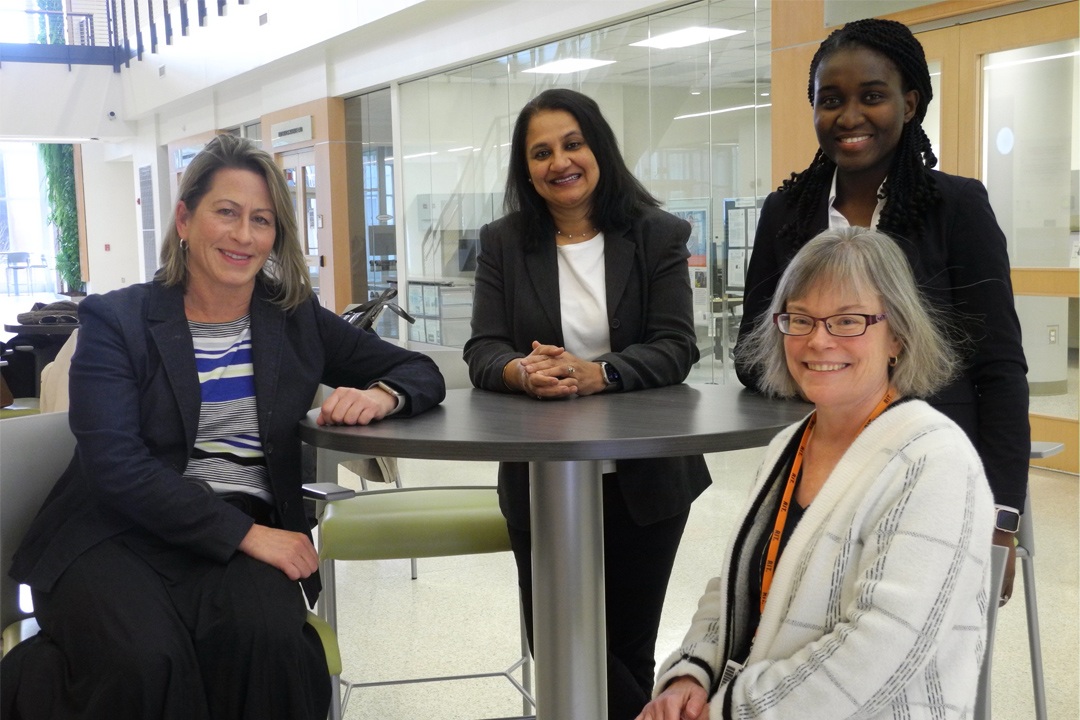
(789, 490)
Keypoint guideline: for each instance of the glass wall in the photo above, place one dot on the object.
(690, 110)
(370, 166)
(1031, 161)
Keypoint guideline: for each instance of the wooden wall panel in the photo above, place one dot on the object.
(793, 140)
(1050, 428)
(1046, 282)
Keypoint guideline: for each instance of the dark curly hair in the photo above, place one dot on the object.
(909, 190)
(618, 198)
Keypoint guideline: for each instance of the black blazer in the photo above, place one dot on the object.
(650, 311)
(134, 410)
(961, 263)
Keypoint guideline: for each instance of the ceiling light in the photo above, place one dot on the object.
(723, 110)
(695, 92)
(417, 155)
(686, 37)
(567, 66)
(467, 147)
(1014, 63)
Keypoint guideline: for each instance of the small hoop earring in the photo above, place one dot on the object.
(892, 361)
(183, 244)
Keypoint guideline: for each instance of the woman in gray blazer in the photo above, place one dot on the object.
(164, 563)
(583, 288)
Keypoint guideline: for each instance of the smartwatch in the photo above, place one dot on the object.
(1006, 518)
(396, 395)
(611, 375)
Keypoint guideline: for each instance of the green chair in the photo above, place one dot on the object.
(34, 451)
(401, 523)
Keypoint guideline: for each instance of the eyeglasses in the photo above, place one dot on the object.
(846, 325)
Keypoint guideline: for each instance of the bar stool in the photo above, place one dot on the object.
(17, 261)
(1025, 555)
(411, 523)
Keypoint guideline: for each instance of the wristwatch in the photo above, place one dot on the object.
(397, 396)
(611, 375)
(1006, 518)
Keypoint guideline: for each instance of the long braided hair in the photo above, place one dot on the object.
(909, 190)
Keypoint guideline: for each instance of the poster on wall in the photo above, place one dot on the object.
(740, 226)
(696, 213)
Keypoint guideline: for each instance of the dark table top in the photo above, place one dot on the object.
(481, 425)
(57, 329)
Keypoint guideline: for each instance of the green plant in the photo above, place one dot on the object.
(59, 161)
(50, 27)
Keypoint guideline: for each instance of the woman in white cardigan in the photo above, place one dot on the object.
(857, 583)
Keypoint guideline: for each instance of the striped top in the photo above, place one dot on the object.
(228, 452)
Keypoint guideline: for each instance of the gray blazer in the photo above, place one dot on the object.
(650, 311)
(135, 402)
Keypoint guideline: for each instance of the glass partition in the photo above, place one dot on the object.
(690, 111)
(1030, 164)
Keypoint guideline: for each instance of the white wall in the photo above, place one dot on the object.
(45, 100)
(110, 220)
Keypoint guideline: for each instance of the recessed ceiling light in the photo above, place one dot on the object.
(695, 92)
(723, 110)
(567, 66)
(419, 155)
(764, 94)
(686, 37)
(467, 147)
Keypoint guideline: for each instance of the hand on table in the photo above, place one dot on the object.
(549, 371)
(290, 552)
(684, 699)
(350, 406)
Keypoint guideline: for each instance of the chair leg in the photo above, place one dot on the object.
(526, 666)
(998, 559)
(335, 698)
(1034, 642)
(326, 608)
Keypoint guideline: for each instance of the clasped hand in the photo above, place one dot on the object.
(551, 372)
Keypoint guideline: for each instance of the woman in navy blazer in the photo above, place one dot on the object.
(567, 186)
(870, 88)
(159, 597)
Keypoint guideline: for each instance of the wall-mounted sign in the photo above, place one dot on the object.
(291, 131)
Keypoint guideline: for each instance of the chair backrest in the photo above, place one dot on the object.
(18, 259)
(452, 366)
(34, 451)
(54, 378)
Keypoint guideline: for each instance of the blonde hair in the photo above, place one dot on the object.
(868, 260)
(285, 272)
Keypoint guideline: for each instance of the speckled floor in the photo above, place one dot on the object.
(461, 615)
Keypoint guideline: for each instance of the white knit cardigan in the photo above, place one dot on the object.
(877, 609)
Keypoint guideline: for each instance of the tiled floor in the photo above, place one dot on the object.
(461, 614)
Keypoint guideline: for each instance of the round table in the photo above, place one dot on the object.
(565, 441)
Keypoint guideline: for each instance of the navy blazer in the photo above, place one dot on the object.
(961, 264)
(134, 410)
(653, 342)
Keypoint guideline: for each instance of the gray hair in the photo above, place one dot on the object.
(285, 271)
(867, 260)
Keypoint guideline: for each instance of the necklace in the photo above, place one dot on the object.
(571, 237)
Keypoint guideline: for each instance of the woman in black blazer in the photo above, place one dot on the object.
(583, 288)
(870, 87)
(163, 565)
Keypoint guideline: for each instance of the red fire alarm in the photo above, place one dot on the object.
(107, 248)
